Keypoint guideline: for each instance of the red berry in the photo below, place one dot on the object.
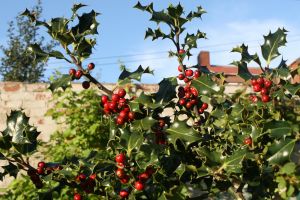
(265, 98)
(189, 72)
(41, 164)
(121, 93)
(77, 196)
(268, 83)
(72, 72)
(120, 158)
(194, 91)
(93, 176)
(115, 97)
(104, 99)
(260, 80)
(150, 170)
(124, 194)
(201, 110)
(123, 114)
(85, 84)
(139, 185)
(248, 141)
(78, 74)
(187, 89)
(188, 105)
(131, 115)
(120, 120)
(91, 66)
(181, 51)
(161, 123)
(40, 170)
(204, 106)
(182, 102)
(264, 91)
(194, 101)
(120, 173)
(112, 105)
(186, 80)
(125, 179)
(196, 74)
(181, 76)
(253, 82)
(179, 68)
(188, 95)
(257, 88)
(144, 176)
(254, 99)
(82, 177)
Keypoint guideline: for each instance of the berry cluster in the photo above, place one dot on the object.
(188, 97)
(188, 74)
(87, 184)
(78, 74)
(139, 183)
(118, 105)
(160, 137)
(263, 86)
(41, 170)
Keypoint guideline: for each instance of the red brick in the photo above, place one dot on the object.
(12, 86)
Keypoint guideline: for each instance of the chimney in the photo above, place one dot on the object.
(203, 59)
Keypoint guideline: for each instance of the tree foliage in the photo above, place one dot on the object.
(17, 64)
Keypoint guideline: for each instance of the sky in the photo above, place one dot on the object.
(122, 29)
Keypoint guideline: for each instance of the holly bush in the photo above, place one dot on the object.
(188, 140)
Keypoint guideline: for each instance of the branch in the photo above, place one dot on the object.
(90, 77)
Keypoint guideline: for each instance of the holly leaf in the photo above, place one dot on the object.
(196, 14)
(76, 7)
(280, 151)
(23, 136)
(63, 81)
(191, 39)
(243, 70)
(205, 85)
(180, 130)
(83, 49)
(87, 24)
(143, 124)
(245, 55)
(157, 33)
(273, 41)
(278, 129)
(131, 140)
(167, 90)
(127, 76)
(232, 164)
(11, 169)
(292, 88)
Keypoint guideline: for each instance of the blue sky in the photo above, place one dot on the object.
(122, 29)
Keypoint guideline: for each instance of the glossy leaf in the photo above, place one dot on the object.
(131, 140)
(63, 81)
(280, 151)
(167, 90)
(273, 41)
(278, 129)
(180, 130)
(205, 85)
(127, 76)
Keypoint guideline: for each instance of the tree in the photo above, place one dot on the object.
(17, 64)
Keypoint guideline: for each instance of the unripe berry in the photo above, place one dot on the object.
(91, 66)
